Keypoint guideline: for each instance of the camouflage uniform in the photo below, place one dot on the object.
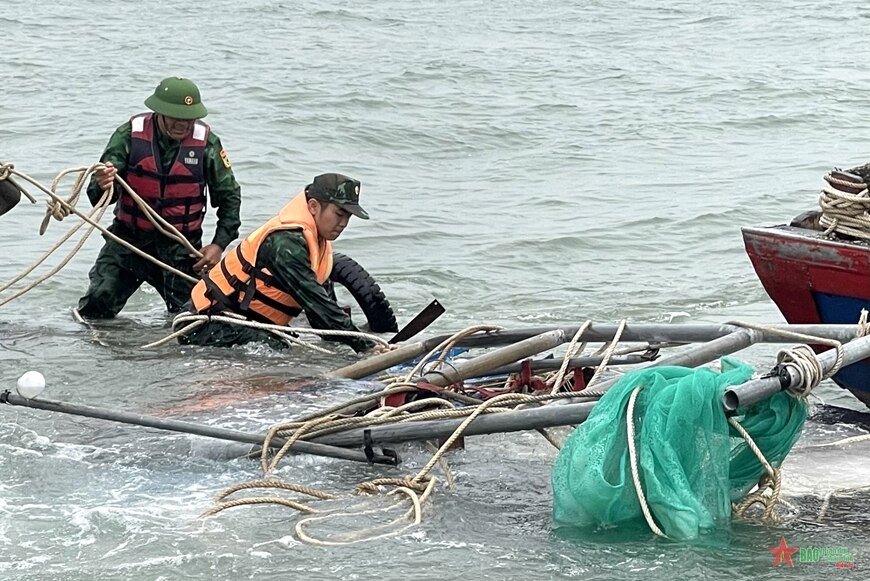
(118, 272)
(284, 255)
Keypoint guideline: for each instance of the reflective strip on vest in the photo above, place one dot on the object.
(177, 196)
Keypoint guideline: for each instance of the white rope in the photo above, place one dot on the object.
(769, 487)
(843, 442)
(845, 212)
(804, 361)
(106, 233)
(607, 354)
(442, 346)
(284, 332)
(863, 326)
(557, 379)
(753, 446)
(826, 501)
(801, 358)
(635, 473)
(6, 171)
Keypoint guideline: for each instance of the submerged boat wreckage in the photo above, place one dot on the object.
(659, 435)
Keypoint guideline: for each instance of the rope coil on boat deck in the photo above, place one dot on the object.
(845, 206)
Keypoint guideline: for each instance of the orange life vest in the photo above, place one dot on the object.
(178, 195)
(236, 283)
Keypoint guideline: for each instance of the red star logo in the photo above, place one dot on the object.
(782, 551)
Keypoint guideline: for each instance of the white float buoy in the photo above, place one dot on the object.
(30, 384)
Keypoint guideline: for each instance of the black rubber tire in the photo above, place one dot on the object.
(9, 196)
(368, 294)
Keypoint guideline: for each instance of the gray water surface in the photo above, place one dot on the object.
(526, 163)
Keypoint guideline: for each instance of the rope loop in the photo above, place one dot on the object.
(56, 210)
(804, 361)
(767, 495)
(769, 485)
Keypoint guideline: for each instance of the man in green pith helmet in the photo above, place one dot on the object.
(171, 159)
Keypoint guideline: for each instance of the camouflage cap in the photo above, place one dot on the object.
(339, 190)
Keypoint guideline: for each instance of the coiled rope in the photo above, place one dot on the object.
(845, 207)
(93, 216)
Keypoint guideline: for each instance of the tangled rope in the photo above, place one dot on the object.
(92, 217)
(286, 333)
(59, 208)
(412, 490)
(807, 366)
(769, 487)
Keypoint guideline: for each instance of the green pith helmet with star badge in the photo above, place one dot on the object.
(177, 97)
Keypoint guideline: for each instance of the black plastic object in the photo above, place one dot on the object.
(423, 319)
(9, 196)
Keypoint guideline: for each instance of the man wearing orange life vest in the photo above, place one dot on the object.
(170, 158)
(279, 270)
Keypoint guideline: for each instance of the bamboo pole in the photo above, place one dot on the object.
(379, 363)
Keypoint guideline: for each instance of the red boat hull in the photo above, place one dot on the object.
(813, 279)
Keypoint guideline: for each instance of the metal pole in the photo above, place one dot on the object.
(551, 364)
(489, 361)
(543, 417)
(378, 363)
(187, 427)
(658, 333)
(572, 414)
(662, 333)
(513, 421)
(696, 356)
(784, 376)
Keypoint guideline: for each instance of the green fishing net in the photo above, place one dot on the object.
(692, 463)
